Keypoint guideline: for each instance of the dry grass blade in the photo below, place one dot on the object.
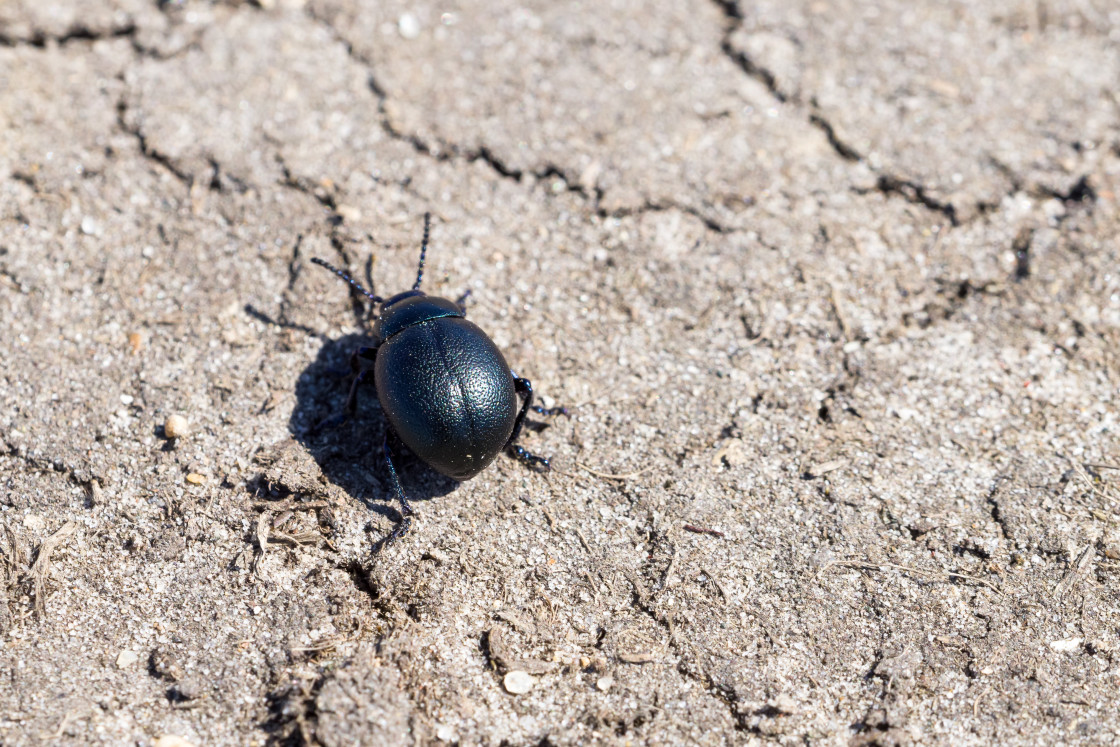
(1077, 569)
(608, 476)
(13, 557)
(290, 504)
(928, 573)
(295, 540)
(715, 581)
(41, 569)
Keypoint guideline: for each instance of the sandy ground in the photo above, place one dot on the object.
(831, 290)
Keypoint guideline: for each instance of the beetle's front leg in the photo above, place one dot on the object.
(524, 387)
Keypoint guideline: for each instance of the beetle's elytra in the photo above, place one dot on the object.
(445, 388)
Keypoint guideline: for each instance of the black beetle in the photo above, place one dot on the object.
(443, 385)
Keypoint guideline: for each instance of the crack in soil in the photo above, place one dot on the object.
(446, 152)
(440, 150)
(917, 194)
(888, 184)
(845, 151)
(996, 514)
(80, 476)
(733, 17)
(79, 33)
(686, 665)
(146, 149)
(661, 207)
(300, 184)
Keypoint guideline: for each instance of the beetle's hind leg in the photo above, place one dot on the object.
(461, 301)
(406, 510)
(524, 387)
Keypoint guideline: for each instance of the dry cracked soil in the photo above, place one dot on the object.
(830, 289)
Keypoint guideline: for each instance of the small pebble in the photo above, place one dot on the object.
(171, 740)
(349, 213)
(127, 399)
(176, 427)
(1066, 645)
(409, 26)
(604, 683)
(126, 659)
(518, 683)
(90, 227)
(195, 479)
(136, 341)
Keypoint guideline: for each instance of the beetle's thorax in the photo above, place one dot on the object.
(412, 307)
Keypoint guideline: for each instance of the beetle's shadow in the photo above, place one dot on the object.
(350, 455)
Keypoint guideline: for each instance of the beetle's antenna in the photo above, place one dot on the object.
(348, 279)
(423, 251)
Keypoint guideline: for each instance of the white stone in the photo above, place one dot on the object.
(518, 682)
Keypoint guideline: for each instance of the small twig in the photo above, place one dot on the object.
(290, 504)
(63, 723)
(324, 645)
(607, 476)
(863, 565)
(835, 300)
(582, 540)
(976, 703)
(591, 583)
(639, 588)
(1085, 476)
(1077, 569)
(703, 530)
(295, 540)
(1105, 466)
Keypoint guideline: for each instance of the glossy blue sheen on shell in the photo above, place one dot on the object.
(444, 386)
(411, 307)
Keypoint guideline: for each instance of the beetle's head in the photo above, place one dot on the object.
(388, 302)
(412, 307)
(398, 309)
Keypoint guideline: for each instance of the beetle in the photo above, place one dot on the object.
(444, 386)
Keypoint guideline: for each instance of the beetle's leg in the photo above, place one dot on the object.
(461, 302)
(362, 354)
(406, 510)
(550, 411)
(348, 409)
(354, 367)
(525, 387)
